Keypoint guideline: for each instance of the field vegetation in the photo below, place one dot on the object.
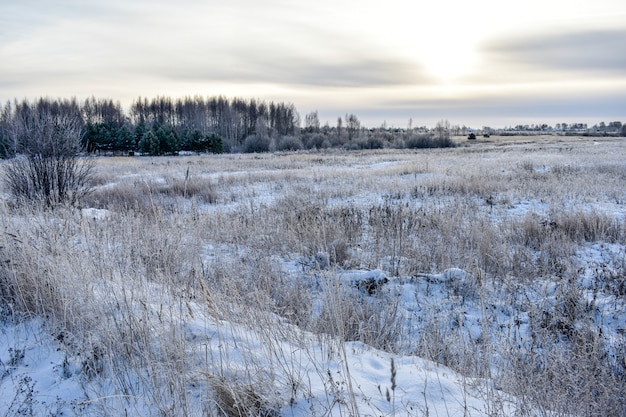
(270, 284)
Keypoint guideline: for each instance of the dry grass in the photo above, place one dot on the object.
(209, 233)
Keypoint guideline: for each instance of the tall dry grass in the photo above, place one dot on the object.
(196, 244)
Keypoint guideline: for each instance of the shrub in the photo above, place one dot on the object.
(375, 143)
(49, 180)
(316, 141)
(444, 142)
(289, 143)
(419, 141)
(256, 144)
(369, 143)
(50, 170)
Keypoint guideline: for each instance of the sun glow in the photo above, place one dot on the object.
(449, 64)
(450, 53)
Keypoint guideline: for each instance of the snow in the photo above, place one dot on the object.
(95, 214)
(329, 378)
(40, 379)
(35, 375)
(38, 376)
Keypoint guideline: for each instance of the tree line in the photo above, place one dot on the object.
(158, 126)
(163, 125)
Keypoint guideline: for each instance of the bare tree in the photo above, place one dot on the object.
(48, 168)
(442, 129)
(8, 146)
(339, 129)
(352, 126)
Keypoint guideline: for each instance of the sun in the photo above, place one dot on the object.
(449, 59)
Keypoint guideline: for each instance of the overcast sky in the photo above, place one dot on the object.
(479, 62)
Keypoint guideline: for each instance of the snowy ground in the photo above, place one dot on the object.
(38, 378)
(328, 378)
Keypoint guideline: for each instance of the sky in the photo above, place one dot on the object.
(475, 63)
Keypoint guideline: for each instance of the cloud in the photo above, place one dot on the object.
(513, 108)
(341, 56)
(589, 51)
(273, 50)
(196, 42)
(296, 70)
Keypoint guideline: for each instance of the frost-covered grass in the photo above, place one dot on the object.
(481, 280)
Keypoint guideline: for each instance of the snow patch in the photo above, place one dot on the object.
(95, 214)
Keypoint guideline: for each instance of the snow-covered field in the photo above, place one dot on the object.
(477, 281)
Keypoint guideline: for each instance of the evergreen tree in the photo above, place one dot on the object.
(124, 140)
(216, 143)
(149, 144)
